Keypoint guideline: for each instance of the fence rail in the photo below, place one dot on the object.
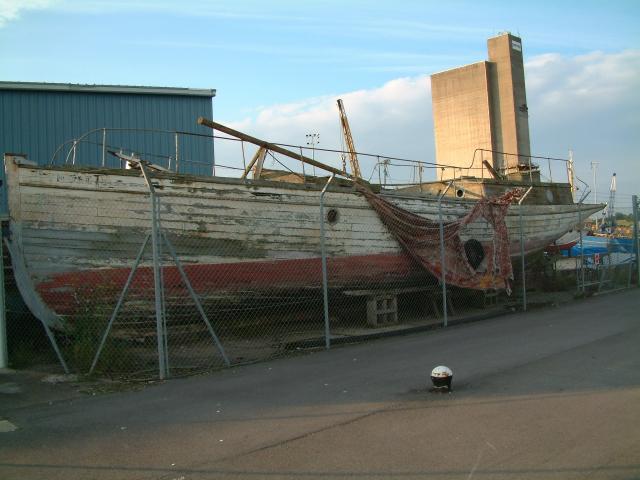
(184, 304)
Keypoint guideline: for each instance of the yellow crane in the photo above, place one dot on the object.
(348, 139)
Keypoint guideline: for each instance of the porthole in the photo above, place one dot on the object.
(549, 195)
(460, 193)
(332, 216)
(474, 252)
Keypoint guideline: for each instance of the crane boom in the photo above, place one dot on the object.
(348, 139)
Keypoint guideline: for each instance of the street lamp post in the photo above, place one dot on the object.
(313, 139)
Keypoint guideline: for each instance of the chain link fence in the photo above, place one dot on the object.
(177, 303)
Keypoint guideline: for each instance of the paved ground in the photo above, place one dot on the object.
(550, 394)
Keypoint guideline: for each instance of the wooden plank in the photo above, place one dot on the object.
(392, 291)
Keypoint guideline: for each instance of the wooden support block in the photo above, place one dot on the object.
(435, 298)
(382, 310)
(490, 297)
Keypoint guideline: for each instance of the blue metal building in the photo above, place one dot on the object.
(63, 123)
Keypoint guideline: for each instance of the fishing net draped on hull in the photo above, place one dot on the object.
(468, 263)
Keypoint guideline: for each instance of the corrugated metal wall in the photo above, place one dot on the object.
(38, 122)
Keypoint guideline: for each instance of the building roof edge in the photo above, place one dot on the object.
(460, 67)
(127, 89)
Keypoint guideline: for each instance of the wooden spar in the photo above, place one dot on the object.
(270, 146)
(257, 168)
(492, 170)
(258, 157)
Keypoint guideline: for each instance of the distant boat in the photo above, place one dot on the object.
(564, 243)
(592, 244)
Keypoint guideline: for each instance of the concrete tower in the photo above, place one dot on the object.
(509, 102)
(482, 106)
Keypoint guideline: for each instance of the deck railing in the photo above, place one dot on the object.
(191, 152)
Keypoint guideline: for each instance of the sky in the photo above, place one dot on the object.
(279, 66)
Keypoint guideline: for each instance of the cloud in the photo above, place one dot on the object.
(10, 9)
(601, 79)
(587, 103)
(392, 120)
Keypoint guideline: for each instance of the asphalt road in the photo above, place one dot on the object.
(549, 394)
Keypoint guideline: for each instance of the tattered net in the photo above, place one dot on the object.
(420, 238)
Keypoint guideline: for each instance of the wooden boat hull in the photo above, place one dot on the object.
(78, 230)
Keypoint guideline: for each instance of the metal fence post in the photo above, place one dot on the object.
(163, 307)
(323, 252)
(213, 155)
(522, 263)
(636, 239)
(443, 280)
(4, 354)
(155, 244)
(522, 260)
(581, 286)
(157, 282)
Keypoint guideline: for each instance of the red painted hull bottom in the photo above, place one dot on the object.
(558, 248)
(65, 293)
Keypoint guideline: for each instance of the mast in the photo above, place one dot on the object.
(346, 131)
